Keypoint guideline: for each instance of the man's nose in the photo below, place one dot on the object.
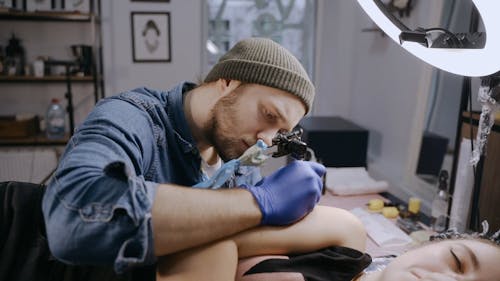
(267, 136)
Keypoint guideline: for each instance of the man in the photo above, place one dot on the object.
(119, 194)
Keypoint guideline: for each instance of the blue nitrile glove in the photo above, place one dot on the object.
(290, 193)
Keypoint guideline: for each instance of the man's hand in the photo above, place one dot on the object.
(290, 193)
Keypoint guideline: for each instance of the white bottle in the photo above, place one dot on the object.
(439, 213)
(55, 120)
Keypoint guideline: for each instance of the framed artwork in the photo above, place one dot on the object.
(82, 6)
(151, 36)
(39, 5)
(8, 4)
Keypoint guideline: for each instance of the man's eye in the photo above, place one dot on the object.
(458, 263)
(269, 115)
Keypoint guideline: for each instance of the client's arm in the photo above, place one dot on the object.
(323, 227)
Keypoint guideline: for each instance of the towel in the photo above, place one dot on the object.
(352, 181)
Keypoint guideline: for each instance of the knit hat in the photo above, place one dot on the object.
(265, 62)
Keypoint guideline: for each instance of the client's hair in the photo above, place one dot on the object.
(452, 233)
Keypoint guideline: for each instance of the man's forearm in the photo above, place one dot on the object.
(186, 217)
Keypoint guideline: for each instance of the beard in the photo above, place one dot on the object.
(222, 132)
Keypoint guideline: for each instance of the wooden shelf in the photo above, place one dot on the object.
(46, 79)
(16, 15)
(34, 140)
(475, 120)
(30, 19)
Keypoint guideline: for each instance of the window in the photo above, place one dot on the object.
(288, 22)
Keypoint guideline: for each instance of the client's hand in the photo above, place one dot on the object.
(290, 193)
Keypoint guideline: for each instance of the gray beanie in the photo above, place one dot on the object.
(265, 62)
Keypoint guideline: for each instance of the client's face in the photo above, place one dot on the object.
(453, 260)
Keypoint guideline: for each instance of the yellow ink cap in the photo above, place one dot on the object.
(390, 212)
(414, 205)
(375, 205)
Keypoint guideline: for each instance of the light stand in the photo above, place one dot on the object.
(69, 95)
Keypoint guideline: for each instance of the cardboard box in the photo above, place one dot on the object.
(19, 126)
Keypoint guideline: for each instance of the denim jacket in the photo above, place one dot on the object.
(97, 207)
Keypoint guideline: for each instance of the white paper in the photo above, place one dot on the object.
(381, 230)
(352, 181)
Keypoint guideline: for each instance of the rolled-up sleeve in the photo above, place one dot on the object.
(97, 207)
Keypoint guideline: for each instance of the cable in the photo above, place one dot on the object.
(443, 30)
(473, 26)
(475, 219)
(32, 165)
(471, 131)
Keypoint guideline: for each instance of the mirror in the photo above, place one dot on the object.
(290, 23)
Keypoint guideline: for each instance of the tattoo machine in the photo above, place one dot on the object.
(283, 144)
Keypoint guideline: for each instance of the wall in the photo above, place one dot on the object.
(121, 73)
(334, 67)
(370, 80)
(51, 39)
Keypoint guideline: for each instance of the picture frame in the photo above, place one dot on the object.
(8, 4)
(164, 1)
(151, 36)
(82, 6)
(38, 5)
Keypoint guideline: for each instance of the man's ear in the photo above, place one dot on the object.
(226, 86)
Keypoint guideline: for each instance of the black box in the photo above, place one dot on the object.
(336, 142)
(432, 152)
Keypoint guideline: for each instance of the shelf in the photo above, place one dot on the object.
(46, 79)
(34, 140)
(16, 15)
(29, 20)
(475, 120)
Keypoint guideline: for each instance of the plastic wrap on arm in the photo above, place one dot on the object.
(486, 120)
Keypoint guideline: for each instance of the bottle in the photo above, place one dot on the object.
(439, 212)
(55, 120)
(15, 56)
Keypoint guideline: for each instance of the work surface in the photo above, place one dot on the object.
(360, 201)
(343, 202)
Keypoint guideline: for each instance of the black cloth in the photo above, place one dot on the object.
(329, 264)
(23, 247)
(24, 251)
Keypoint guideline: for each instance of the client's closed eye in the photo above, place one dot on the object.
(457, 262)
